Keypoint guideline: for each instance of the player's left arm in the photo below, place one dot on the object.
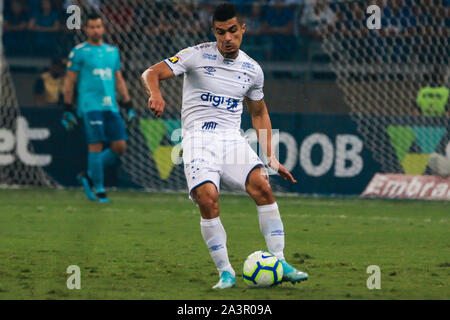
(125, 100)
(122, 88)
(262, 125)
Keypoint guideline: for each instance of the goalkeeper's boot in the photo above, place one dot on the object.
(101, 197)
(291, 274)
(88, 185)
(226, 281)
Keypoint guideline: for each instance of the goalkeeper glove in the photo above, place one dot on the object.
(69, 118)
(129, 115)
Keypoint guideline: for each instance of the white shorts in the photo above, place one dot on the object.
(211, 156)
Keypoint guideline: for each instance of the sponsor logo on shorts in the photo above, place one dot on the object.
(96, 123)
(216, 101)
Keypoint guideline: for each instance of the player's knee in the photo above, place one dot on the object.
(207, 199)
(206, 196)
(265, 193)
(119, 149)
(261, 192)
(211, 204)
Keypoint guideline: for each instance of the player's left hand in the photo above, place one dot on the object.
(129, 116)
(282, 171)
(69, 118)
(131, 119)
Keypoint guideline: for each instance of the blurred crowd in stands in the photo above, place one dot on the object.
(276, 29)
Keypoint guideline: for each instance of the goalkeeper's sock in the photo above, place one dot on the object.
(216, 240)
(95, 170)
(272, 229)
(109, 157)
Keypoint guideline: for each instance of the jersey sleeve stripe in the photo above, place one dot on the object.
(168, 65)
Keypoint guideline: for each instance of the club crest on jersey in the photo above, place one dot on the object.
(174, 59)
(209, 70)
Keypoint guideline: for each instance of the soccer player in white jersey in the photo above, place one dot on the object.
(218, 79)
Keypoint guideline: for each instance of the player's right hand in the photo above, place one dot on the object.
(69, 118)
(156, 104)
(282, 171)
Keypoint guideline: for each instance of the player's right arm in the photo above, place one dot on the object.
(69, 86)
(181, 63)
(69, 119)
(74, 64)
(151, 78)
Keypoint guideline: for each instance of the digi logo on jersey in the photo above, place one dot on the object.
(231, 104)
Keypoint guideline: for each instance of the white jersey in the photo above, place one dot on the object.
(214, 87)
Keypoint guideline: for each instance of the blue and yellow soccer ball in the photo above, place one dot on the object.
(262, 269)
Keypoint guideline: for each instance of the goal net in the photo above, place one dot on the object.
(147, 32)
(394, 79)
(15, 168)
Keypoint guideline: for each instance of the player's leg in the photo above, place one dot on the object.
(206, 196)
(95, 135)
(115, 132)
(95, 166)
(271, 225)
(202, 171)
(111, 155)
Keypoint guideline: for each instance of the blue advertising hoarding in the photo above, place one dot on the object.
(324, 152)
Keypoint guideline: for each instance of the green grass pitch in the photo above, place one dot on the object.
(149, 246)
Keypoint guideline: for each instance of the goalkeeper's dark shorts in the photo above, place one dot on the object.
(104, 126)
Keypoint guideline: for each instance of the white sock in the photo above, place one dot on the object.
(272, 229)
(216, 240)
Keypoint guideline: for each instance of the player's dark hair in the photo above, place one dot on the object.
(93, 16)
(224, 12)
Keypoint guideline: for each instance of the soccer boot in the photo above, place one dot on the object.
(291, 274)
(101, 197)
(226, 281)
(87, 184)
